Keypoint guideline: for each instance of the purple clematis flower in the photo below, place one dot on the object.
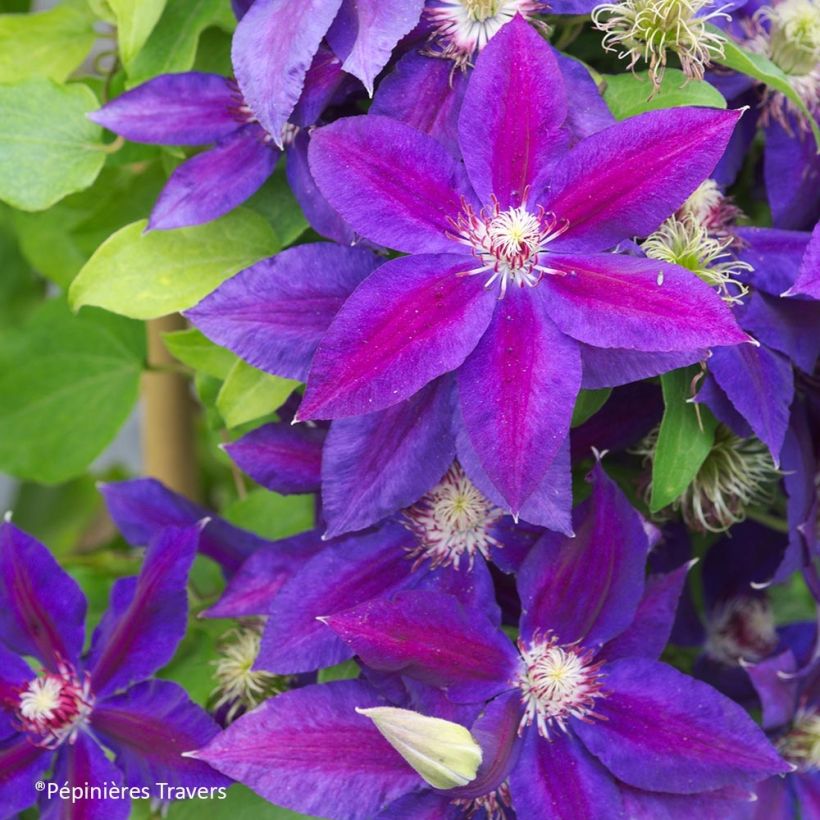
(77, 702)
(517, 218)
(195, 108)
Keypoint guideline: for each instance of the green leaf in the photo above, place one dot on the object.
(45, 44)
(135, 20)
(682, 445)
(199, 353)
(276, 202)
(191, 666)
(67, 384)
(48, 148)
(173, 43)
(240, 804)
(146, 275)
(346, 670)
(588, 403)
(249, 394)
(271, 515)
(762, 68)
(629, 94)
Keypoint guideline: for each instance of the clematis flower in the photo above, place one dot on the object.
(521, 225)
(195, 108)
(76, 705)
(579, 708)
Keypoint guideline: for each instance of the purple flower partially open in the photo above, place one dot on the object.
(76, 703)
(515, 217)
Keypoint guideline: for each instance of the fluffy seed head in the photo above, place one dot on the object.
(741, 629)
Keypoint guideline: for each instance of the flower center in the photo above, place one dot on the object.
(452, 521)
(556, 683)
(743, 628)
(801, 746)
(710, 207)
(55, 706)
(508, 243)
(494, 805)
(461, 28)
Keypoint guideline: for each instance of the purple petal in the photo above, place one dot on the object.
(21, 763)
(431, 637)
(718, 402)
(662, 730)
(648, 634)
(252, 589)
(774, 799)
(516, 393)
(562, 781)
(614, 300)
(346, 573)
(588, 113)
(174, 109)
(587, 588)
(142, 507)
(625, 180)
(394, 185)
(413, 319)
(147, 616)
(214, 182)
(272, 315)
(807, 790)
(777, 686)
(281, 457)
(365, 33)
(472, 586)
(716, 805)
(376, 464)
(422, 805)
(83, 763)
(774, 254)
(515, 105)
(426, 94)
(760, 385)
(310, 751)
(273, 48)
(42, 609)
(150, 727)
(610, 367)
(808, 279)
(323, 81)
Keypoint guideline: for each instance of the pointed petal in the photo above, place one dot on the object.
(778, 688)
(174, 109)
(214, 182)
(472, 586)
(257, 582)
(83, 763)
(413, 319)
(760, 385)
(665, 731)
(21, 763)
(516, 393)
(147, 616)
(587, 588)
(808, 278)
(722, 804)
(310, 751)
(515, 105)
(562, 781)
(807, 791)
(625, 180)
(323, 81)
(611, 367)
(365, 33)
(376, 464)
(273, 48)
(346, 573)
(142, 507)
(431, 637)
(774, 254)
(42, 609)
(588, 113)
(648, 634)
(613, 300)
(281, 457)
(273, 315)
(150, 727)
(396, 186)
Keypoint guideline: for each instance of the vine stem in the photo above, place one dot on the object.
(168, 441)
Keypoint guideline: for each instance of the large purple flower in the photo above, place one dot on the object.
(514, 217)
(76, 702)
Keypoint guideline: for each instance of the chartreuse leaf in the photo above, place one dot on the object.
(249, 394)
(67, 384)
(240, 803)
(271, 515)
(48, 148)
(276, 202)
(173, 42)
(588, 403)
(200, 353)
(762, 68)
(630, 94)
(135, 20)
(146, 275)
(45, 44)
(683, 440)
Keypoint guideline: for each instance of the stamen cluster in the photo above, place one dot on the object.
(742, 629)
(801, 745)
(491, 806)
